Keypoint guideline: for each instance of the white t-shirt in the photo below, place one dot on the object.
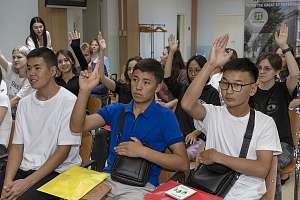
(43, 125)
(16, 86)
(225, 133)
(214, 80)
(31, 46)
(3, 87)
(5, 125)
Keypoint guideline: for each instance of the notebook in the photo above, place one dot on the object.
(160, 193)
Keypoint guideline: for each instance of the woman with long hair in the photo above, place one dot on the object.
(68, 77)
(121, 87)
(39, 36)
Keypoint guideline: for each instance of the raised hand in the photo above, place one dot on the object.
(101, 41)
(218, 56)
(74, 35)
(281, 37)
(88, 79)
(173, 43)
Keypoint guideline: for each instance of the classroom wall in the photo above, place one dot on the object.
(210, 11)
(15, 17)
(164, 12)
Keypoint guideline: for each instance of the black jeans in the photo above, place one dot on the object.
(32, 192)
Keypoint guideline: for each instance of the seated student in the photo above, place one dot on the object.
(43, 144)
(226, 125)
(39, 36)
(146, 122)
(68, 76)
(273, 97)
(5, 124)
(209, 95)
(122, 88)
(15, 76)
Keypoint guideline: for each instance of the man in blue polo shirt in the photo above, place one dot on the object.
(146, 122)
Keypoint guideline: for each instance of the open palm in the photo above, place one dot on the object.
(101, 41)
(281, 37)
(88, 79)
(218, 55)
(173, 43)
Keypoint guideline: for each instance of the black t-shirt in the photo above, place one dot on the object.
(72, 85)
(124, 91)
(274, 102)
(209, 95)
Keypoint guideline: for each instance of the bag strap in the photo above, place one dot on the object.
(121, 123)
(248, 134)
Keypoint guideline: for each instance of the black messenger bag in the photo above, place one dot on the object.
(128, 170)
(218, 179)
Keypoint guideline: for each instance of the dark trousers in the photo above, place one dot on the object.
(32, 192)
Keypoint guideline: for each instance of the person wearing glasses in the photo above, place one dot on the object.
(273, 98)
(226, 125)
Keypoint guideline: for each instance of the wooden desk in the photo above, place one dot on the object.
(98, 193)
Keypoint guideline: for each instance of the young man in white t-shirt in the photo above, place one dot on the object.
(43, 144)
(226, 125)
(5, 124)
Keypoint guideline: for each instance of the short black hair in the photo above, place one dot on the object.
(243, 65)
(47, 54)
(151, 65)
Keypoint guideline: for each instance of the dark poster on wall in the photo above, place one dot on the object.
(263, 19)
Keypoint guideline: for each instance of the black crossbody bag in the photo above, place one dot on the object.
(218, 179)
(128, 170)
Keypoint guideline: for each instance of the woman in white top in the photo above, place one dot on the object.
(15, 75)
(39, 36)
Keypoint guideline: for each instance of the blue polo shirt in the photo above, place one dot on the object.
(157, 127)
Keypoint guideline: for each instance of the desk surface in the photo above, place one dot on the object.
(98, 193)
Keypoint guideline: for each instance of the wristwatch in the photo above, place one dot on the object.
(284, 51)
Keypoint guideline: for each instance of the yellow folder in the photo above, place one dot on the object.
(73, 183)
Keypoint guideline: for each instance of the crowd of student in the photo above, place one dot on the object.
(167, 105)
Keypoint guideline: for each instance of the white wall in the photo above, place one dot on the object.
(164, 12)
(15, 17)
(207, 10)
(110, 30)
(74, 15)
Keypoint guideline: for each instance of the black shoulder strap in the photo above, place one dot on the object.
(121, 123)
(248, 134)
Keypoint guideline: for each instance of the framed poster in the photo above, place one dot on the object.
(263, 18)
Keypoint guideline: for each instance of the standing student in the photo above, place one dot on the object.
(226, 125)
(39, 36)
(146, 122)
(43, 145)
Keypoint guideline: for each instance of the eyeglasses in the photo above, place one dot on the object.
(234, 86)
